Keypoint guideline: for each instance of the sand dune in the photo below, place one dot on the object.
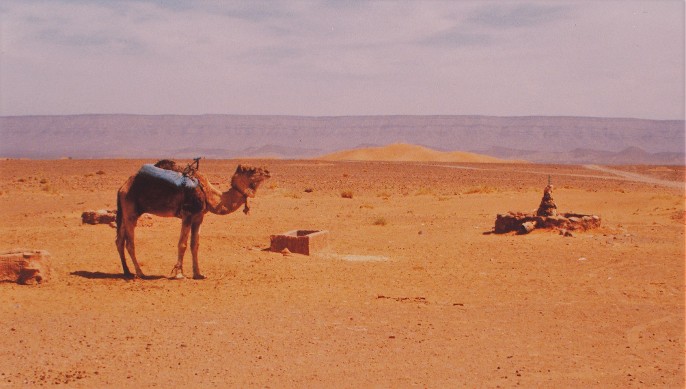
(406, 152)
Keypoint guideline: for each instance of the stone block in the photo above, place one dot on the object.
(304, 242)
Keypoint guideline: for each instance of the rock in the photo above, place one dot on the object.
(101, 216)
(24, 266)
(527, 227)
(545, 217)
(566, 233)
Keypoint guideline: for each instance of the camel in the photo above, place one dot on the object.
(189, 198)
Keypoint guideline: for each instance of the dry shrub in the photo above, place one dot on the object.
(481, 189)
(380, 221)
(293, 195)
(347, 194)
(49, 189)
(423, 191)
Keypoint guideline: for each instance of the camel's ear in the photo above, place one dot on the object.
(240, 169)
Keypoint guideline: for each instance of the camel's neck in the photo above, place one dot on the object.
(223, 203)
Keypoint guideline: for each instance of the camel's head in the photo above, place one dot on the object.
(247, 179)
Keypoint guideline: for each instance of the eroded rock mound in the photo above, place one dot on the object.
(24, 266)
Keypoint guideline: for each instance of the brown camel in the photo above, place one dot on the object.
(187, 195)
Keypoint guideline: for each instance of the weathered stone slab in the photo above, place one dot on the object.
(101, 216)
(24, 266)
(300, 241)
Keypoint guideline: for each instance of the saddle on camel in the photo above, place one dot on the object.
(164, 189)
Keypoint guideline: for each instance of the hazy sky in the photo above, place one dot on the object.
(319, 58)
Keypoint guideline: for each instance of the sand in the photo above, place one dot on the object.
(413, 291)
(402, 152)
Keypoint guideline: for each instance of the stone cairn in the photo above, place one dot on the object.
(546, 217)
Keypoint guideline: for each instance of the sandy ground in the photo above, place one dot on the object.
(412, 292)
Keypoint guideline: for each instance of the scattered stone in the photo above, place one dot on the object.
(567, 233)
(527, 227)
(101, 216)
(24, 267)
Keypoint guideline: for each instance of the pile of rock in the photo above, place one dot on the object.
(24, 266)
(546, 216)
(524, 223)
(101, 216)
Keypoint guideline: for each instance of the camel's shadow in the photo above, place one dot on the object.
(98, 275)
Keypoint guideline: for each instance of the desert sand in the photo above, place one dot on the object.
(403, 152)
(413, 290)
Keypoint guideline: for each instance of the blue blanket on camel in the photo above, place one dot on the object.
(169, 176)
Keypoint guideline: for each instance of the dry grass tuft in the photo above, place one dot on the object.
(347, 194)
(380, 221)
(423, 191)
(49, 189)
(481, 189)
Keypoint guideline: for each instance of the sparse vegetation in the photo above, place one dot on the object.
(49, 189)
(380, 221)
(347, 194)
(481, 189)
(423, 191)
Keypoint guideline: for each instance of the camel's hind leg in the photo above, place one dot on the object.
(129, 229)
(177, 271)
(195, 244)
(121, 242)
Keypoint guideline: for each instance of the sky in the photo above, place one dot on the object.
(346, 57)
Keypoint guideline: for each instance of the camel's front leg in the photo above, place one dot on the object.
(195, 244)
(177, 271)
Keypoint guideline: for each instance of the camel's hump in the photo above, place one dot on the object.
(169, 176)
